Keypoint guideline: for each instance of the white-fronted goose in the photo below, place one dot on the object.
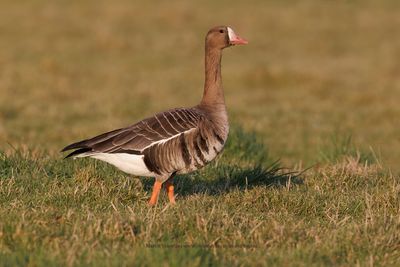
(175, 141)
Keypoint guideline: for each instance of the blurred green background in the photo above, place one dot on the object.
(313, 71)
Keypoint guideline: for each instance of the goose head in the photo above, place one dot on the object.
(221, 37)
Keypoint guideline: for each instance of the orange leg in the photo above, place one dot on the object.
(155, 193)
(169, 187)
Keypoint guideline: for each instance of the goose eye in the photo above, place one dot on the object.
(221, 31)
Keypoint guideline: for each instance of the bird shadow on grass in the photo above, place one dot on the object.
(226, 178)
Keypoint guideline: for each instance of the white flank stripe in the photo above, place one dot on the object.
(169, 138)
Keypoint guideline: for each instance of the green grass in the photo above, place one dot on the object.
(239, 210)
(316, 89)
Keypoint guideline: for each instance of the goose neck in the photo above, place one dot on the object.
(213, 92)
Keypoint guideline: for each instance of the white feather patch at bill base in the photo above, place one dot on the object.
(231, 34)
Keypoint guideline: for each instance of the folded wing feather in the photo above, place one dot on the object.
(135, 138)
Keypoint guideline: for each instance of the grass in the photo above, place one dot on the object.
(316, 89)
(236, 211)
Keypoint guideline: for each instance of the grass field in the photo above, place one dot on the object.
(317, 88)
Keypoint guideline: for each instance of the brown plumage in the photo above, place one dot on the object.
(175, 141)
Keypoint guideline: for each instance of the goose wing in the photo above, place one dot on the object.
(135, 138)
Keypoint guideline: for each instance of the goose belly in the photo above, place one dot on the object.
(200, 158)
(198, 149)
(186, 153)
